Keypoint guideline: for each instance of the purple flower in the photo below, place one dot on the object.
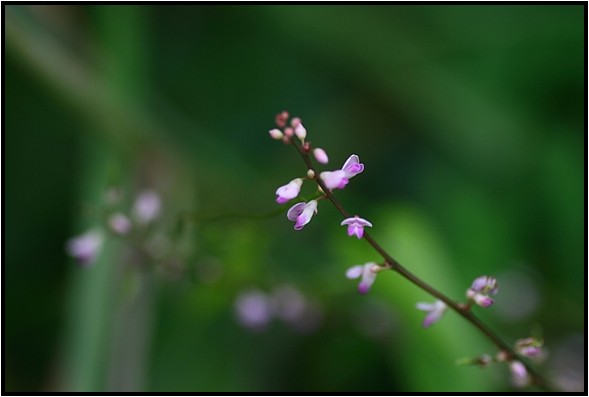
(288, 191)
(480, 290)
(352, 166)
(434, 311)
(519, 373)
(334, 179)
(85, 247)
(320, 155)
(366, 272)
(253, 309)
(356, 226)
(339, 179)
(119, 223)
(529, 347)
(147, 206)
(301, 213)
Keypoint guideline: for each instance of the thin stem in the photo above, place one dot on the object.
(462, 310)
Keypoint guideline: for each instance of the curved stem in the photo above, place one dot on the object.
(462, 310)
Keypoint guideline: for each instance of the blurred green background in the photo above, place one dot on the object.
(469, 120)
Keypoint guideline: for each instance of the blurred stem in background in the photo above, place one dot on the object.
(109, 328)
(111, 353)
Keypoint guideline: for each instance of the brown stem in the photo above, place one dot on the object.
(462, 310)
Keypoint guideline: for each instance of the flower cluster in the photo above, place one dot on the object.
(86, 247)
(255, 309)
(302, 212)
(481, 290)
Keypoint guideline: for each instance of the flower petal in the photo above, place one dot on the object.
(294, 211)
(426, 307)
(355, 230)
(354, 271)
(352, 166)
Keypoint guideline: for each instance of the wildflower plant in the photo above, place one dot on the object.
(481, 292)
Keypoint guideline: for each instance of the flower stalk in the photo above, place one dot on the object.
(464, 310)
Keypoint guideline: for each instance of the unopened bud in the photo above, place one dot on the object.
(320, 155)
(501, 356)
(288, 131)
(281, 119)
(310, 174)
(300, 131)
(276, 134)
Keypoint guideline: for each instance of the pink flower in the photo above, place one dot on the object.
(434, 311)
(119, 223)
(320, 155)
(519, 373)
(339, 179)
(301, 213)
(288, 191)
(85, 247)
(366, 272)
(356, 226)
(299, 129)
(334, 179)
(530, 347)
(253, 309)
(147, 206)
(352, 166)
(480, 290)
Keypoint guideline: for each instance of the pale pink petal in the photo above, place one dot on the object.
(426, 307)
(289, 191)
(334, 179)
(354, 271)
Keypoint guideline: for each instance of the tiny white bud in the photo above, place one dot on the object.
(310, 174)
(275, 133)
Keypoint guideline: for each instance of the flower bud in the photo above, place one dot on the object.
(281, 119)
(300, 131)
(320, 155)
(275, 133)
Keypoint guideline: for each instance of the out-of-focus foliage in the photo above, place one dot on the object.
(469, 120)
